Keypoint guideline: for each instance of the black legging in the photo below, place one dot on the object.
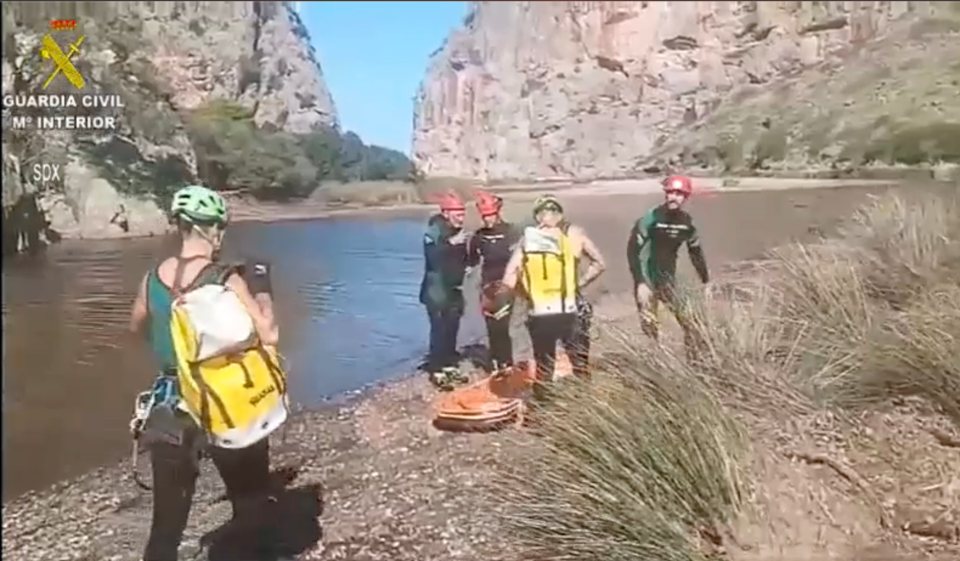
(501, 346)
(571, 330)
(245, 473)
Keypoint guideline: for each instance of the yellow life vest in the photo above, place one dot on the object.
(238, 398)
(549, 272)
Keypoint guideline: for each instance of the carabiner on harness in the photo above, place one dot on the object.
(163, 392)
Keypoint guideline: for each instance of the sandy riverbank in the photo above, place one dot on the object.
(392, 486)
(367, 478)
(404, 203)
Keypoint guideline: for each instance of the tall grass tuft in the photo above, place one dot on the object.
(634, 464)
(651, 455)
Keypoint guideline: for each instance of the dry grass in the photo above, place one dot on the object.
(389, 193)
(891, 102)
(629, 497)
(652, 458)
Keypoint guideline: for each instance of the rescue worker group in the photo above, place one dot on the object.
(221, 389)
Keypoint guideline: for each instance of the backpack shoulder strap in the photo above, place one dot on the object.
(177, 288)
(212, 273)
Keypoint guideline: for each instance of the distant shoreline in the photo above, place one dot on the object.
(246, 210)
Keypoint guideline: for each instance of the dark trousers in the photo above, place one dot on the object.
(444, 327)
(175, 468)
(571, 330)
(501, 346)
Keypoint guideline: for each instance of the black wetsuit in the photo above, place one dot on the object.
(491, 247)
(441, 290)
(652, 250)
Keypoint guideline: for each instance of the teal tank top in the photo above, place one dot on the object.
(159, 302)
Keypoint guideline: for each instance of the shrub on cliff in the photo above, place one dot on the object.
(361, 162)
(234, 154)
(650, 460)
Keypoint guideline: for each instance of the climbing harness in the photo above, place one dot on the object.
(158, 406)
(162, 394)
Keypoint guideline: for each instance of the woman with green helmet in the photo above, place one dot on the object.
(173, 439)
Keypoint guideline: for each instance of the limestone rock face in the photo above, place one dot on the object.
(162, 58)
(530, 90)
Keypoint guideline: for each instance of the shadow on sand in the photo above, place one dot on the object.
(288, 527)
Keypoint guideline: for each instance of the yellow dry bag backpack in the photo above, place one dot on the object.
(232, 385)
(549, 272)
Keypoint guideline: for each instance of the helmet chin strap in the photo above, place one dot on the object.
(209, 239)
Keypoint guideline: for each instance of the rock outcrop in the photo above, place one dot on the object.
(595, 89)
(161, 58)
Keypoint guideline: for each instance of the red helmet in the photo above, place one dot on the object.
(678, 183)
(450, 201)
(488, 203)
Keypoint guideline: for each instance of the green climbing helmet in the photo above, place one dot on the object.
(198, 204)
(547, 202)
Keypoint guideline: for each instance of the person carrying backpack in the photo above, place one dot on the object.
(169, 421)
(546, 262)
(441, 291)
(491, 247)
(652, 250)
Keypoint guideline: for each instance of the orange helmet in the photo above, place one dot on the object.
(679, 183)
(488, 203)
(450, 201)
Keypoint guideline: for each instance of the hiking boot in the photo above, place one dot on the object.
(448, 378)
(496, 366)
(456, 376)
(438, 379)
(441, 380)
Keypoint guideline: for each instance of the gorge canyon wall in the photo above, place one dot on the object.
(163, 59)
(532, 90)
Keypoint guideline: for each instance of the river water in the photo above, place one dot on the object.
(347, 295)
(347, 299)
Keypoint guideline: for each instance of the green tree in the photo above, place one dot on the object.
(322, 148)
(234, 154)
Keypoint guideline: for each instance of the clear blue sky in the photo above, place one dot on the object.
(374, 55)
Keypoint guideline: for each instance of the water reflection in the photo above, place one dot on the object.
(346, 297)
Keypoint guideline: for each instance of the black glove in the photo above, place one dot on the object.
(257, 275)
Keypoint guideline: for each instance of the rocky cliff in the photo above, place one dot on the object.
(163, 59)
(593, 89)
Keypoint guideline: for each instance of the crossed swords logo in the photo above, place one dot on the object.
(51, 50)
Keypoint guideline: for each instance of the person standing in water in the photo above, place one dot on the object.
(441, 291)
(546, 261)
(201, 217)
(652, 250)
(491, 247)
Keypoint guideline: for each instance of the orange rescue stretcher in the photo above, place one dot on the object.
(494, 401)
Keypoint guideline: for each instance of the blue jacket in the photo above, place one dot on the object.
(445, 265)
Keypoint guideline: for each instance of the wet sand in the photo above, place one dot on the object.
(393, 487)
